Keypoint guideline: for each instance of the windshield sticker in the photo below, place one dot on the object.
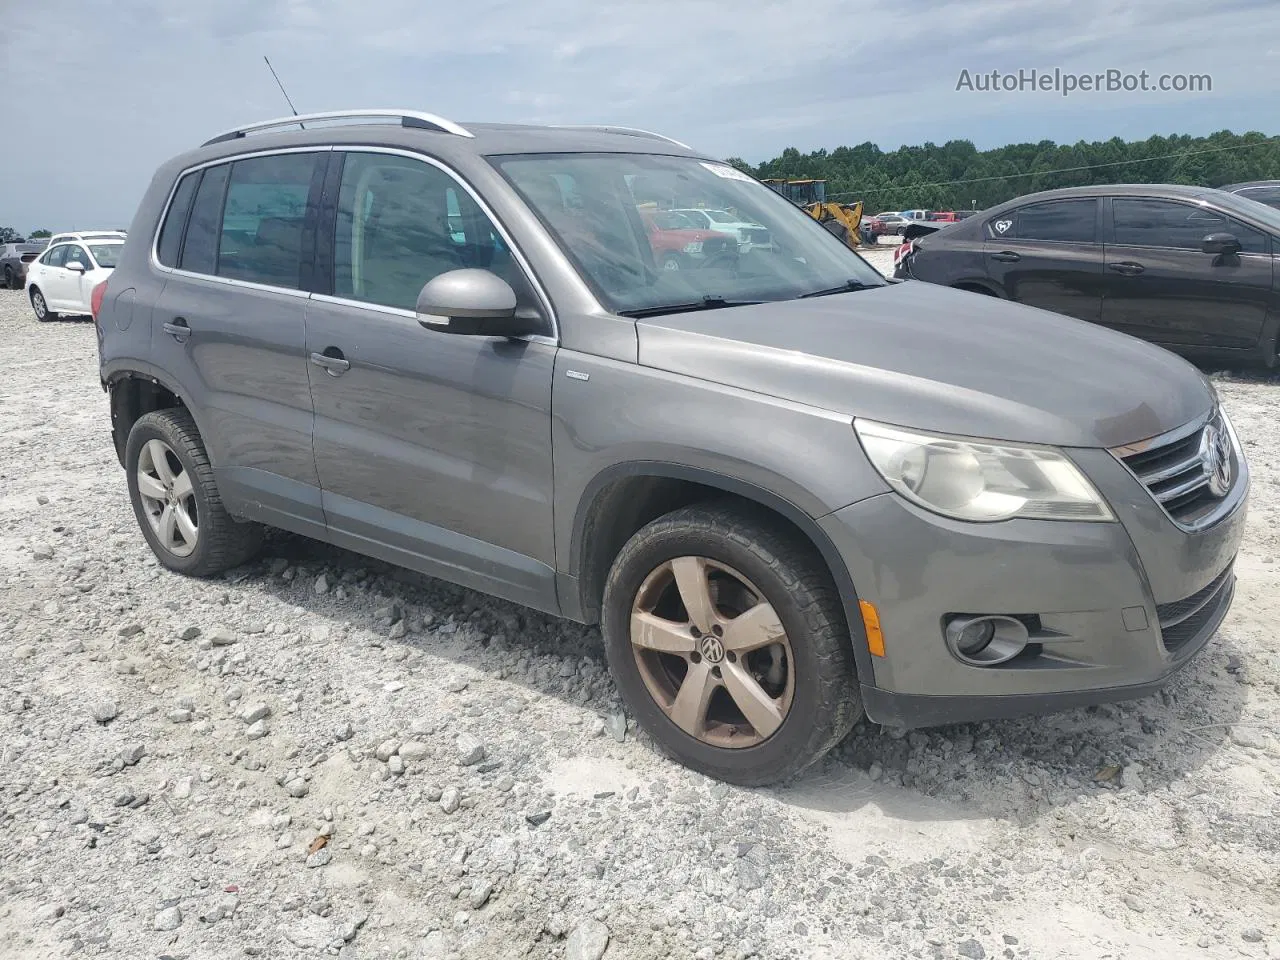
(1002, 225)
(728, 172)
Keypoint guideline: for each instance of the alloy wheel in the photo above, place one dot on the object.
(168, 498)
(712, 652)
(38, 304)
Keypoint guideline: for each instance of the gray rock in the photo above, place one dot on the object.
(131, 754)
(180, 715)
(42, 551)
(434, 946)
(470, 749)
(297, 788)
(257, 730)
(386, 750)
(129, 630)
(1251, 935)
(396, 765)
(1131, 777)
(344, 732)
(182, 789)
(480, 894)
(972, 949)
(588, 941)
(170, 918)
(220, 637)
(104, 711)
(456, 686)
(255, 712)
(322, 585)
(413, 750)
(74, 646)
(616, 724)
(320, 858)
(450, 798)
(188, 633)
(1246, 736)
(24, 652)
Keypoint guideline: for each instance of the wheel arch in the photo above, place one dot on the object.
(624, 497)
(138, 389)
(975, 285)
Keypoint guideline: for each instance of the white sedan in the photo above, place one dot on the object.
(62, 279)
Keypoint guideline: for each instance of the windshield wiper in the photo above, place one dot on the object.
(846, 287)
(706, 303)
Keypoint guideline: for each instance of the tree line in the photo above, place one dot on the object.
(926, 176)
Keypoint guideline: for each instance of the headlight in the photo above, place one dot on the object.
(694, 247)
(980, 480)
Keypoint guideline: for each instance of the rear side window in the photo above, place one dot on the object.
(1268, 195)
(169, 245)
(1180, 226)
(56, 257)
(200, 250)
(263, 224)
(1060, 221)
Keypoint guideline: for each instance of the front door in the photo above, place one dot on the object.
(433, 449)
(56, 282)
(1162, 287)
(1047, 255)
(229, 327)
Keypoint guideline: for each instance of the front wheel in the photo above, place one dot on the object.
(671, 261)
(725, 635)
(38, 304)
(176, 501)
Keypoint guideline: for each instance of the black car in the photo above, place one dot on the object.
(1189, 268)
(1264, 191)
(14, 258)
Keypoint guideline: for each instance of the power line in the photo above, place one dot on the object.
(1040, 173)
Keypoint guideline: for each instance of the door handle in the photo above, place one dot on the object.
(334, 364)
(1127, 267)
(1006, 256)
(178, 329)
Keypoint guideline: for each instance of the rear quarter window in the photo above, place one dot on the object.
(169, 244)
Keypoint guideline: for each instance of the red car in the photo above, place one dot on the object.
(945, 216)
(678, 244)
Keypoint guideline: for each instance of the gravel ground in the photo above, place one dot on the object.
(319, 755)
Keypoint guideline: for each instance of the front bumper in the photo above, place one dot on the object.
(1097, 594)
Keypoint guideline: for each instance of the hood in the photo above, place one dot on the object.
(919, 355)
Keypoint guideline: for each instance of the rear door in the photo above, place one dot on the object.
(1048, 255)
(1162, 287)
(229, 326)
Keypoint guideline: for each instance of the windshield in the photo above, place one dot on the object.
(609, 212)
(719, 216)
(106, 254)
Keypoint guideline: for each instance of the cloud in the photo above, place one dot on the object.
(135, 81)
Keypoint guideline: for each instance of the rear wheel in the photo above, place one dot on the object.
(38, 304)
(726, 638)
(176, 501)
(10, 281)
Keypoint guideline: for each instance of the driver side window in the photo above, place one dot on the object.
(402, 222)
(1179, 226)
(55, 257)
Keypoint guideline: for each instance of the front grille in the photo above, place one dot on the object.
(1178, 470)
(1184, 620)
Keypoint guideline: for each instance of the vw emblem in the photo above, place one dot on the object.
(711, 648)
(1215, 452)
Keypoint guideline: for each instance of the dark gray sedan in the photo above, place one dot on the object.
(1189, 268)
(14, 258)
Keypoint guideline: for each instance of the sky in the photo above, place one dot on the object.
(98, 93)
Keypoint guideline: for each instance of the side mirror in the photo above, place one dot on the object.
(1220, 244)
(75, 265)
(473, 303)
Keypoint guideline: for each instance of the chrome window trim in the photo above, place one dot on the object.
(539, 289)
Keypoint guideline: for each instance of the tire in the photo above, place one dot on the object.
(672, 262)
(788, 576)
(220, 542)
(8, 280)
(38, 304)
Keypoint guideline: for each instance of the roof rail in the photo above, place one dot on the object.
(406, 118)
(628, 131)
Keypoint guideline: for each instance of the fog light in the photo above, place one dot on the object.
(984, 641)
(975, 635)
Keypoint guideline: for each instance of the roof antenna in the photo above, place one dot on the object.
(282, 90)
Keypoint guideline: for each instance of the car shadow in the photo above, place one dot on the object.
(969, 772)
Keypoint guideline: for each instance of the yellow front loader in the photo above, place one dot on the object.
(811, 195)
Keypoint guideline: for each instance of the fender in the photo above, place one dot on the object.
(114, 371)
(801, 519)
(986, 285)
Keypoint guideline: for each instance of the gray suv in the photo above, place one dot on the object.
(788, 490)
